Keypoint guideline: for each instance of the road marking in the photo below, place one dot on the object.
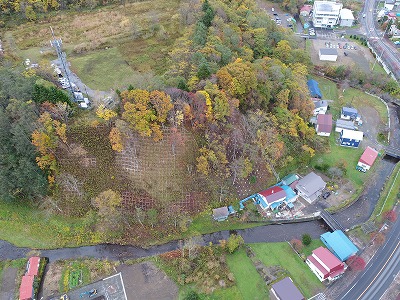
(380, 271)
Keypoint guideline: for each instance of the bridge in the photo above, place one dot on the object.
(331, 221)
(392, 151)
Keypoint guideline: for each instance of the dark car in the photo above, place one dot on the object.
(326, 195)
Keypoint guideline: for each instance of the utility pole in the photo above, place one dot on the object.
(62, 56)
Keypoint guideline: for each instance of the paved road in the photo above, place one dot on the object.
(269, 233)
(383, 46)
(382, 269)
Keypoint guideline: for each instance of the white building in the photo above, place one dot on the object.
(321, 107)
(346, 18)
(389, 4)
(326, 14)
(328, 54)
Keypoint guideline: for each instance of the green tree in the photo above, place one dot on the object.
(306, 239)
(234, 242)
(20, 177)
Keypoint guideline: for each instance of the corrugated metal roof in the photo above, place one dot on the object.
(328, 51)
(369, 156)
(286, 290)
(341, 245)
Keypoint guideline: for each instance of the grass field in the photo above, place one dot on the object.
(390, 195)
(328, 88)
(106, 46)
(342, 156)
(103, 69)
(249, 282)
(282, 254)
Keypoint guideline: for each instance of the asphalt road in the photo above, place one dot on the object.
(382, 269)
(384, 48)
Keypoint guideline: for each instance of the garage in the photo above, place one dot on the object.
(328, 54)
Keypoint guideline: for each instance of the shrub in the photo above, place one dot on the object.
(192, 295)
(306, 238)
(234, 242)
(356, 263)
(390, 216)
(296, 244)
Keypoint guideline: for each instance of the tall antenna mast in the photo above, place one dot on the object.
(62, 56)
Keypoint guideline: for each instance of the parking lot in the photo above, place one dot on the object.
(110, 288)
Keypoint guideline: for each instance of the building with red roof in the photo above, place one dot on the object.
(306, 10)
(324, 124)
(272, 197)
(325, 265)
(26, 291)
(367, 159)
(32, 268)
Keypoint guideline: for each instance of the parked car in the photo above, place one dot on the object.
(326, 195)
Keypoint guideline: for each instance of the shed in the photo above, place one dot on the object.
(339, 244)
(221, 213)
(367, 159)
(351, 138)
(344, 124)
(285, 290)
(346, 17)
(314, 89)
(324, 125)
(349, 113)
(289, 179)
(328, 54)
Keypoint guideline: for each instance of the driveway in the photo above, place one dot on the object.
(7, 287)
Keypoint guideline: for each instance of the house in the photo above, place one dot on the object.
(349, 113)
(343, 124)
(326, 14)
(351, 138)
(367, 159)
(285, 290)
(310, 187)
(305, 10)
(392, 16)
(321, 107)
(26, 291)
(314, 89)
(271, 198)
(222, 213)
(324, 125)
(325, 265)
(389, 4)
(394, 32)
(346, 18)
(328, 54)
(339, 244)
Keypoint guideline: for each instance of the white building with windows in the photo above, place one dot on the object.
(346, 17)
(326, 14)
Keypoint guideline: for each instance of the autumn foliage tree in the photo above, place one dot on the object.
(297, 245)
(356, 263)
(47, 139)
(390, 216)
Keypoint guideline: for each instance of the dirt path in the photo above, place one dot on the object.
(7, 287)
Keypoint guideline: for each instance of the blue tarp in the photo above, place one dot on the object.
(339, 244)
(314, 89)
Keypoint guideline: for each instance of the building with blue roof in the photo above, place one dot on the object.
(313, 87)
(339, 244)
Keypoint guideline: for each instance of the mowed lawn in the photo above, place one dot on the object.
(102, 70)
(249, 282)
(272, 254)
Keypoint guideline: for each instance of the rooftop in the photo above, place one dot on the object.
(286, 290)
(320, 103)
(330, 260)
(26, 287)
(311, 183)
(328, 51)
(369, 156)
(324, 123)
(352, 134)
(346, 14)
(349, 110)
(220, 212)
(273, 194)
(339, 243)
(327, 6)
(33, 266)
